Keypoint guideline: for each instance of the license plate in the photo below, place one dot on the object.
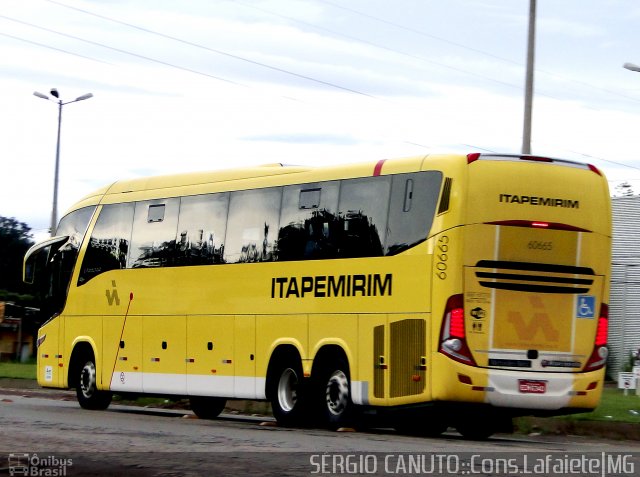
(527, 386)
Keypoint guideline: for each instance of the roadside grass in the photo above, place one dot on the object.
(18, 370)
(614, 407)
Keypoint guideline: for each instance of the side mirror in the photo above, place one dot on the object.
(32, 255)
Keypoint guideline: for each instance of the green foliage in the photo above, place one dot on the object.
(614, 407)
(15, 240)
(18, 370)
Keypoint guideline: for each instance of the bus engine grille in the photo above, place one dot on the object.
(534, 277)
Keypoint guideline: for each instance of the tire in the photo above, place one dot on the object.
(479, 428)
(287, 393)
(207, 407)
(334, 394)
(421, 425)
(476, 432)
(89, 397)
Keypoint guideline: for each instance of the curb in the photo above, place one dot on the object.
(523, 425)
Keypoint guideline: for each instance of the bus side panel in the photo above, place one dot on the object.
(122, 353)
(49, 373)
(449, 379)
(86, 329)
(276, 330)
(246, 385)
(369, 385)
(336, 329)
(210, 355)
(164, 347)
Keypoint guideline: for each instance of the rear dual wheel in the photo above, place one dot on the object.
(334, 394)
(288, 394)
(325, 401)
(421, 424)
(481, 427)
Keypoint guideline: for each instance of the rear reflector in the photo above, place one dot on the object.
(538, 225)
(594, 169)
(473, 157)
(452, 334)
(600, 352)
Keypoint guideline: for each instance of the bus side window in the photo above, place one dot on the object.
(153, 240)
(411, 209)
(109, 243)
(309, 214)
(252, 226)
(202, 227)
(363, 210)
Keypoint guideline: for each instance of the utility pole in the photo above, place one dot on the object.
(528, 91)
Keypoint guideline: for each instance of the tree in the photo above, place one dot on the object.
(624, 189)
(15, 240)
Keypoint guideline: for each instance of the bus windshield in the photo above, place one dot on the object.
(49, 265)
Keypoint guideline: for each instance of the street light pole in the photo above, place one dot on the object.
(55, 94)
(528, 92)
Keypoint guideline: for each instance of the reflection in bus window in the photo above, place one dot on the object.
(109, 244)
(253, 225)
(412, 207)
(201, 229)
(153, 241)
(363, 209)
(74, 225)
(309, 213)
(63, 260)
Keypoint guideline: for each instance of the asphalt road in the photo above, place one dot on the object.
(44, 436)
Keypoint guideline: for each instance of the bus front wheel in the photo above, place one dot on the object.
(89, 397)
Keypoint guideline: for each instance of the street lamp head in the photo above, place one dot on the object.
(54, 93)
(40, 95)
(631, 67)
(84, 96)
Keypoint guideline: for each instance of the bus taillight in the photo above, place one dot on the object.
(474, 156)
(452, 335)
(600, 352)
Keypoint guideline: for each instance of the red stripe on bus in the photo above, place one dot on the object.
(378, 169)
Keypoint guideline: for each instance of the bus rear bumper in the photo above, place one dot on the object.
(548, 393)
(543, 391)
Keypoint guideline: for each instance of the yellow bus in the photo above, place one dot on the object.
(445, 290)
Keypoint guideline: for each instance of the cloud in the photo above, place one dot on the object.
(340, 140)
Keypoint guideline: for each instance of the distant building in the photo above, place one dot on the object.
(624, 303)
(18, 328)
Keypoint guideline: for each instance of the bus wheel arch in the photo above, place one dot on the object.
(331, 388)
(83, 377)
(286, 387)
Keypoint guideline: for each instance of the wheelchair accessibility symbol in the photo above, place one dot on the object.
(586, 307)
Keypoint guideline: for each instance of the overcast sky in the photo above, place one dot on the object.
(208, 84)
